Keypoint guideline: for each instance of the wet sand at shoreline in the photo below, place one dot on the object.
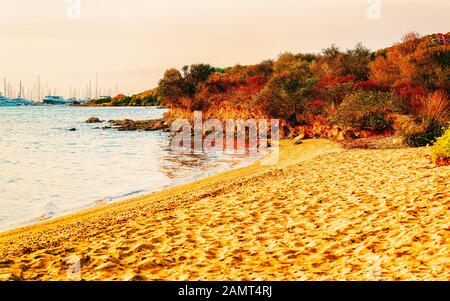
(322, 213)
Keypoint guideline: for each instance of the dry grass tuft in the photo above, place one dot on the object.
(434, 106)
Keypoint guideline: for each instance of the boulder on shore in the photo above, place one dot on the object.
(93, 120)
(139, 125)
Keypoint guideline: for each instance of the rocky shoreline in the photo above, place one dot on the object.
(345, 136)
(133, 125)
(140, 125)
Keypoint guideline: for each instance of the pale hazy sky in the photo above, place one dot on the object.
(132, 42)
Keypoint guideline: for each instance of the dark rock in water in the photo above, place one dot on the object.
(72, 130)
(93, 120)
(139, 125)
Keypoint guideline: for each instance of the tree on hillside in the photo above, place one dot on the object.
(176, 87)
(285, 62)
(195, 75)
(263, 69)
(287, 93)
(334, 62)
(414, 61)
(171, 87)
(288, 61)
(356, 61)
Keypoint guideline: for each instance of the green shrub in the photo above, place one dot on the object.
(440, 152)
(102, 100)
(377, 122)
(287, 94)
(423, 134)
(150, 101)
(367, 110)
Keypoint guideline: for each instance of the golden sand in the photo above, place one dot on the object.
(323, 213)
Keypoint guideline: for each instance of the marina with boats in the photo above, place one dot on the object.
(9, 97)
(47, 100)
(17, 101)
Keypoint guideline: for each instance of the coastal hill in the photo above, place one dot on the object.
(147, 98)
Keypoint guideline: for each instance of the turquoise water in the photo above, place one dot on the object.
(48, 171)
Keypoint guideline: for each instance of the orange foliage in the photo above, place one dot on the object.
(434, 106)
(305, 90)
(415, 60)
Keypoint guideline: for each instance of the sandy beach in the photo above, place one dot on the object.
(322, 213)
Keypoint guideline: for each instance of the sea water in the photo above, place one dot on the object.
(46, 170)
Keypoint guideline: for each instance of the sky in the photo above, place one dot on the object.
(128, 44)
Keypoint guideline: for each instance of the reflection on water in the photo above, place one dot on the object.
(47, 170)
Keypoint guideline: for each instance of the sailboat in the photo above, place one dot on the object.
(55, 100)
(8, 102)
(3, 100)
(19, 101)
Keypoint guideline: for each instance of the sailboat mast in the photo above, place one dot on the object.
(39, 88)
